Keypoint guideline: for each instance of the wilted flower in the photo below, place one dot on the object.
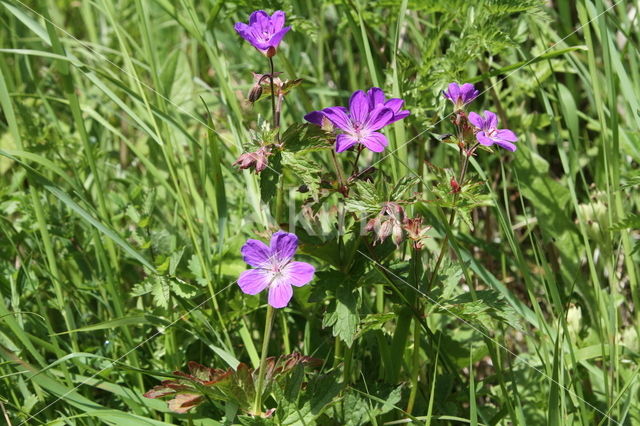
(274, 268)
(264, 32)
(258, 160)
(461, 95)
(489, 133)
(416, 232)
(388, 223)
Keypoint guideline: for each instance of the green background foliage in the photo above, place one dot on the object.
(122, 216)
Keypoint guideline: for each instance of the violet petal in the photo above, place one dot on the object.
(299, 273)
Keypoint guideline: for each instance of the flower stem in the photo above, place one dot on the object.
(355, 162)
(275, 114)
(415, 359)
(452, 217)
(257, 406)
(415, 363)
(338, 169)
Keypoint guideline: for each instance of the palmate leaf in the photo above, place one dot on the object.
(308, 171)
(365, 198)
(310, 401)
(188, 390)
(270, 176)
(403, 186)
(306, 137)
(488, 306)
(161, 288)
(359, 408)
(343, 315)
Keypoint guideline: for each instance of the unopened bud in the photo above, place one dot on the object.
(455, 187)
(255, 93)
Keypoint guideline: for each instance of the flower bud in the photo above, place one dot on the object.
(255, 93)
(455, 186)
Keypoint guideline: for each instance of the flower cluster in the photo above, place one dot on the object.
(485, 126)
(368, 112)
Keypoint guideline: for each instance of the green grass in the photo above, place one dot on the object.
(123, 217)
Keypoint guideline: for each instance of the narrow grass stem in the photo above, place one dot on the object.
(257, 406)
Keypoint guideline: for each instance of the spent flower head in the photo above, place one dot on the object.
(416, 232)
(388, 223)
(264, 32)
(257, 160)
(487, 132)
(461, 95)
(274, 268)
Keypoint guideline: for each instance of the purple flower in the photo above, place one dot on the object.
(264, 31)
(376, 101)
(461, 95)
(377, 98)
(359, 123)
(489, 133)
(274, 268)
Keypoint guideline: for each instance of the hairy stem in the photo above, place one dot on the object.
(355, 162)
(338, 170)
(275, 113)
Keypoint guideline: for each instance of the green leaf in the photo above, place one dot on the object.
(488, 306)
(160, 291)
(270, 176)
(373, 322)
(404, 185)
(344, 317)
(306, 137)
(365, 198)
(308, 171)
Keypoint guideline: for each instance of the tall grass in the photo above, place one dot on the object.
(123, 217)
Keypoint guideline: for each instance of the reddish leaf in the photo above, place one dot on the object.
(184, 402)
(159, 392)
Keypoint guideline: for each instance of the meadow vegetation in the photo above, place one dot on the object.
(430, 262)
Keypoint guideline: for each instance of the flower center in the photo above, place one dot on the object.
(358, 130)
